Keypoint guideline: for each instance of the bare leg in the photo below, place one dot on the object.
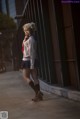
(36, 87)
(26, 75)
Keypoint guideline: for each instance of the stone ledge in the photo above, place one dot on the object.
(74, 95)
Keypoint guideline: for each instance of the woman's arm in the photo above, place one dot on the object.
(32, 51)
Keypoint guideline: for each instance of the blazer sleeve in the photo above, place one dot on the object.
(32, 51)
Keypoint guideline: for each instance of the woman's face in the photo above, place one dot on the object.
(27, 33)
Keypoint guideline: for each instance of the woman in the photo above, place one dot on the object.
(29, 61)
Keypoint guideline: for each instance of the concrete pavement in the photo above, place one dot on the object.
(15, 97)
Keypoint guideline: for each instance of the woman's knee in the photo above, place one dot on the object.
(26, 75)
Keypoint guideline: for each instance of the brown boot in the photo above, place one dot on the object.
(32, 85)
(39, 94)
(38, 97)
(35, 99)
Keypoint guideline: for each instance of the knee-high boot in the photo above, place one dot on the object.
(36, 88)
(32, 85)
(39, 94)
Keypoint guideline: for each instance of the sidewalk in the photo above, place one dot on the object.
(15, 97)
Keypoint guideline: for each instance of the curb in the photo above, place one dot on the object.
(70, 94)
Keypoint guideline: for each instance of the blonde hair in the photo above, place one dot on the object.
(29, 26)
